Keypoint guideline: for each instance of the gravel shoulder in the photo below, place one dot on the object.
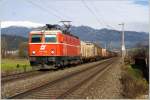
(105, 86)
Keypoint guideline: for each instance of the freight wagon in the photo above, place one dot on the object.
(90, 51)
(110, 54)
(104, 54)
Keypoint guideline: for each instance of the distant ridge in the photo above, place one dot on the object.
(103, 36)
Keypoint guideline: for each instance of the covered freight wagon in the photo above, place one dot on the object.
(104, 54)
(90, 51)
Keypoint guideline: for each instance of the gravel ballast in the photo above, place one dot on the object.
(107, 85)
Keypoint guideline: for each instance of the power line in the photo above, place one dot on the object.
(47, 10)
(91, 11)
(44, 9)
(96, 10)
(56, 10)
(107, 25)
(94, 14)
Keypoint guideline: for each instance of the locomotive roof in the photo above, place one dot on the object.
(52, 29)
(45, 31)
(51, 32)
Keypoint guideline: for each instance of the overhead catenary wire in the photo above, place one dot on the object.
(97, 10)
(50, 11)
(107, 25)
(91, 11)
(54, 11)
(44, 9)
(57, 11)
(94, 14)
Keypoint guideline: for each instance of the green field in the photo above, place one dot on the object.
(14, 64)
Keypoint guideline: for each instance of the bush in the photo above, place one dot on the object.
(134, 84)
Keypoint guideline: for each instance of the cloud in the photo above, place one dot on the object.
(20, 23)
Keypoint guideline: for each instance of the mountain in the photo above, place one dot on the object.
(104, 36)
(14, 30)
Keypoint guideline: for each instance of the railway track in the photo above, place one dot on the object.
(65, 85)
(23, 75)
(19, 76)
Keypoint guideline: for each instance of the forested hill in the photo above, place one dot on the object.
(12, 42)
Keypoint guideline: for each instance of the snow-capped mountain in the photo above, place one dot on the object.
(28, 24)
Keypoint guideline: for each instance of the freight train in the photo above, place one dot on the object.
(53, 47)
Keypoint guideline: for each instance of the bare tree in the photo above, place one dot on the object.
(23, 50)
(3, 47)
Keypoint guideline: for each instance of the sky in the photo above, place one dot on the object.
(94, 13)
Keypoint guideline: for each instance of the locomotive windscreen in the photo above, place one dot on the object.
(50, 38)
(36, 38)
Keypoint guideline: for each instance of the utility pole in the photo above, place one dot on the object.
(123, 50)
(105, 46)
(0, 37)
(110, 45)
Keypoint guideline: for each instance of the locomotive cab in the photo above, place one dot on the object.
(42, 47)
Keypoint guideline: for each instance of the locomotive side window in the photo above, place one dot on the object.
(50, 38)
(36, 38)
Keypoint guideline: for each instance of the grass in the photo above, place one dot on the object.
(14, 64)
(136, 73)
(133, 82)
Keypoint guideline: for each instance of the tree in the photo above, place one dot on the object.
(142, 50)
(23, 50)
(3, 47)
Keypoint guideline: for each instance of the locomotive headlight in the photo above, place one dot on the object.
(52, 51)
(33, 52)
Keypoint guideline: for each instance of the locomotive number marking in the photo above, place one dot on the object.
(42, 47)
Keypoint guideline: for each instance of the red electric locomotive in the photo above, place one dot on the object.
(53, 47)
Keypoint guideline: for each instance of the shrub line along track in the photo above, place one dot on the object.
(63, 79)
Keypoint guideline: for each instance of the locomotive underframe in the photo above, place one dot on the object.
(45, 62)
